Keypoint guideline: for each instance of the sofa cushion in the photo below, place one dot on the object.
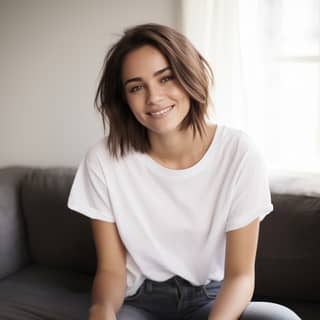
(288, 257)
(57, 237)
(42, 293)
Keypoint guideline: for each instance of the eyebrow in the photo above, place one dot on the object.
(140, 79)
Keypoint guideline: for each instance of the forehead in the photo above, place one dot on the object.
(142, 62)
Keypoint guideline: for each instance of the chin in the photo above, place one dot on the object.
(163, 130)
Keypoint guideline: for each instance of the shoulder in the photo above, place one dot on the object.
(238, 141)
(99, 157)
(97, 149)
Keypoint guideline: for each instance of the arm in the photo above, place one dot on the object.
(238, 285)
(109, 285)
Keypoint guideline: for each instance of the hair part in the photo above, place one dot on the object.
(189, 67)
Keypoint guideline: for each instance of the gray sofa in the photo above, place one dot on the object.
(47, 255)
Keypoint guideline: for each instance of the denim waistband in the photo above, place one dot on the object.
(175, 280)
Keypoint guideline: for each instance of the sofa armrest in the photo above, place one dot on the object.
(13, 243)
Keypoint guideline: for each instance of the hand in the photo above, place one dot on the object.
(101, 312)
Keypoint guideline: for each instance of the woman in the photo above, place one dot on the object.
(175, 201)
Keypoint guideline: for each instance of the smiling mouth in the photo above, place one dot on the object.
(161, 112)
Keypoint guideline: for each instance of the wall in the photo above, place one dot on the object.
(51, 55)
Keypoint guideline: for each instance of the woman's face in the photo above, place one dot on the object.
(150, 87)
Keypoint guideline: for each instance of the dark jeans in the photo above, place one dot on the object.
(176, 298)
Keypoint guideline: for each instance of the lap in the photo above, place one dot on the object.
(177, 299)
(129, 312)
(256, 310)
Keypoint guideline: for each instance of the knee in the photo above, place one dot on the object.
(268, 311)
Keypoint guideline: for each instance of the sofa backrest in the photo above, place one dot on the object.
(57, 236)
(13, 247)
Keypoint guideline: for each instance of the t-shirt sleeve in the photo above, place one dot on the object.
(251, 197)
(89, 193)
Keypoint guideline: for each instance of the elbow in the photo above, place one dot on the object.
(246, 281)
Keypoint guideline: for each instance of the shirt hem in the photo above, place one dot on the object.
(90, 212)
(245, 222)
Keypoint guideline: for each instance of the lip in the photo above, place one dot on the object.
(157, 110)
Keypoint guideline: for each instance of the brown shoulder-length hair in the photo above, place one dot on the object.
(189, 67)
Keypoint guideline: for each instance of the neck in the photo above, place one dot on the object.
(179, 150)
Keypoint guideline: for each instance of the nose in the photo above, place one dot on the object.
(155, 95)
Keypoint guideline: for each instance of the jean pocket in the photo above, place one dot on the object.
(136, 295)
(212, 288)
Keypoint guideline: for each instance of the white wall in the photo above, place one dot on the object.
(51, 53)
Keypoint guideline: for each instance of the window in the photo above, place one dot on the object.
(291, 31)
(266, 61)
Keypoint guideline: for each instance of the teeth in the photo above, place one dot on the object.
(161, 112)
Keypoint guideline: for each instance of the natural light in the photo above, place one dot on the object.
(293, 84)
(266, 60)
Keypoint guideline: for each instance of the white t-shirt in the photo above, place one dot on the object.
(174, 222)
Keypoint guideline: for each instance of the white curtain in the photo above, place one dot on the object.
(233, 36)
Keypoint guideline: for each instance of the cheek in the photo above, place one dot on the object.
(130, 99)
(178, 92)
(182, 96)
(135, 102)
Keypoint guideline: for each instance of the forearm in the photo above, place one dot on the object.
(108, 294)
(233, 298)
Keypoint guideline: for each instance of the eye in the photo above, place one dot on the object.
(166, 78)
(135, 89)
